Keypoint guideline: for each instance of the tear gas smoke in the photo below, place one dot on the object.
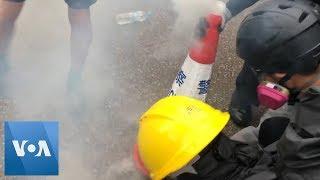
(189, 12)
(124, 74)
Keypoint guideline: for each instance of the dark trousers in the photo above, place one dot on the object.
(245, 94)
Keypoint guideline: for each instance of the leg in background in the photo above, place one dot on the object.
(9, 12)
(80, 41)
(244, 97)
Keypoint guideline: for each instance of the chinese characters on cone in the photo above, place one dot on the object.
(193, 79)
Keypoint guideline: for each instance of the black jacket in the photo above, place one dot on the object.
(296, 156)
(299, 147)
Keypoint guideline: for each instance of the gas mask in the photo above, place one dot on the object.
(275, 95)
(272, 95)
(269, 94)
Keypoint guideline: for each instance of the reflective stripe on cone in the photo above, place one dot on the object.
(193, 80)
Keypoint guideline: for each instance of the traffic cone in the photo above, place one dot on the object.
(193, 79)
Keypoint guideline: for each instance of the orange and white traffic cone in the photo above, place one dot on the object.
(193, 79)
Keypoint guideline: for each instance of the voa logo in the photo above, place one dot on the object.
(31, 148)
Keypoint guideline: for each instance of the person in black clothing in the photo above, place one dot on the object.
(280, 43)
(244, 96)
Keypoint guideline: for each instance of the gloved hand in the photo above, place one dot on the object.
(205, 22)
(212, 21)
(224, 12)
(207, 34)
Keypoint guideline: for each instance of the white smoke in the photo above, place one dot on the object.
(190, 11)
(40, 62)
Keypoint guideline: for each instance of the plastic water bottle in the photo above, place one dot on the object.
(131, 17)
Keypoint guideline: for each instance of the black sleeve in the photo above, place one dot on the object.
(225, 159)
(237, 6)
(299, 147)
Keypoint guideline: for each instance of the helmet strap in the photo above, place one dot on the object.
(294, 93)
(286, 78)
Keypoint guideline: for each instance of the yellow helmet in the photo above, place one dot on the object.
(174, 131)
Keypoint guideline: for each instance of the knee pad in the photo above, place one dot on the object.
(80, 4)
(272, 129)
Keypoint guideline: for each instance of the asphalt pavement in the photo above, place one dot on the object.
(129, 68)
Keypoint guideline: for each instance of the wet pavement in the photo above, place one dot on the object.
(128, 69)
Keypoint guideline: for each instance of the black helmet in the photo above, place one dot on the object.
(281, 36)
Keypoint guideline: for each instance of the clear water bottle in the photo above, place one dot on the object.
(131, 17)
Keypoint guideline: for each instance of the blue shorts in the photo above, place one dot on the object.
(74, 4)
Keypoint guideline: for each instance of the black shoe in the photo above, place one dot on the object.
(241, 117)
(75, 94)
(74, 83)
